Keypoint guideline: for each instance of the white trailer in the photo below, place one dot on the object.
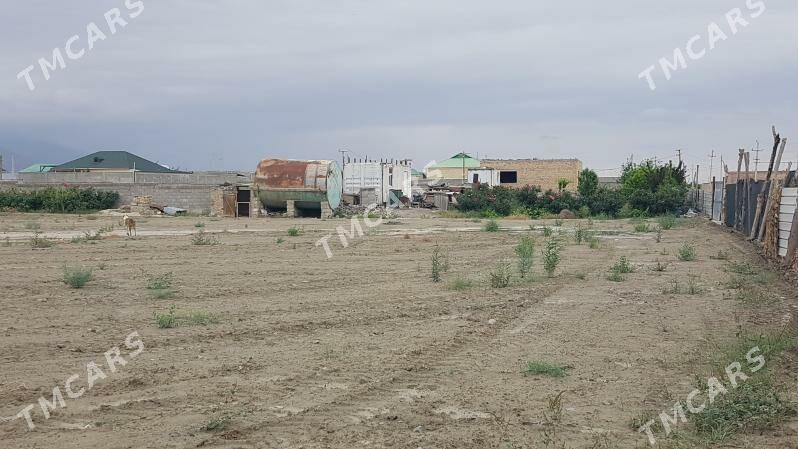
(381, 176)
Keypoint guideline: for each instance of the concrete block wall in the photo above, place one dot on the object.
(545, 173)
(195, 198)
(197, 178)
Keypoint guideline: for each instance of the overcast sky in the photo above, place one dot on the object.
(206, 84)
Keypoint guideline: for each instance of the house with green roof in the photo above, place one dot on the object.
(454, 168)
(112, 161)
(38, 168)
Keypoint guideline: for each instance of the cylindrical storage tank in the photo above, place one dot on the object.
(307, 183)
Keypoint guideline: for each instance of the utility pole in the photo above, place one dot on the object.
(756, 159)
(679, 152)
(343, 159)
(711, 163)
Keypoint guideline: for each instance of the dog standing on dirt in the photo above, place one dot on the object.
(130, 224)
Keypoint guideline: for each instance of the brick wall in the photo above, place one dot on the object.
(545, 173)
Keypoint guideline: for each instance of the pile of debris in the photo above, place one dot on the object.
(350, 211)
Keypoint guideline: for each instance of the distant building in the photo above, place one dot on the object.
(487, 176)
(544, 173)
(38, 168)
(609, 182)
(452, 170)
(112, 161)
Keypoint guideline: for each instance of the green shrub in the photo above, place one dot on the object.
(294, 232)
(160, 281)
(642, 227)
(500, 276)
(440, 264)
(547, 231)
(77, 277)
(167, 320)
(687, 253)
(491, 226)
(545, 368)
(551, 256)
(525, 250)
(667, 222)
(623, 266)
(57, 200)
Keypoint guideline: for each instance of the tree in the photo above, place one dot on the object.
(588, 182)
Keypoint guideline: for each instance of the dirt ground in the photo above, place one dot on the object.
(360, 350)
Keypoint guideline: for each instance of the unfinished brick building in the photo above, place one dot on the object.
(545, 173)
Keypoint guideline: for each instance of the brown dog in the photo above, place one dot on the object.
(130, 224)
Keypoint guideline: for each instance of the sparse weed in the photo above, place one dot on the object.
(32, 225)
(642, 227)
(740, 268)
(623, 266)
(199, 224)
(659, 266)
(615, 276)
(500, 276)
(491, 226)
(667, 222)
(551, 256)
(545, 369)
(693, 288)
(579, 234)
(167, 320)
(216, 424)
(201, 319)
(687, 253)
(554, 408)
(673, 289)
(558, 223)
(547, 231)
(461, 284)
(77, 277)
(38, 242)
(721, 255)
(160, 281)
(659, 234)
(525, 250)
(7, 242)
(202, 238)
(440, 264)
(294, 231)
(280, 240)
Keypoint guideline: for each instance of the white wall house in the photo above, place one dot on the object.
(382, 176)
(487, 176)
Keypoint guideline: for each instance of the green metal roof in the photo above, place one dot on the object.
(38, 168)
(459, 160)
(113, 160)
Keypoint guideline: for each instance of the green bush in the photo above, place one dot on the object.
(77, 277)
(525, 250)
(57, 200)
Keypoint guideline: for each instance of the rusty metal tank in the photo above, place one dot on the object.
(307, 183)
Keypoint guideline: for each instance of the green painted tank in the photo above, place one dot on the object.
(307, 183)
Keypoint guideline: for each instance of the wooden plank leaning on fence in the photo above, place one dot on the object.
(765, 189)
(738, 193)
(747, 189)
(772, 184)
(770, 221)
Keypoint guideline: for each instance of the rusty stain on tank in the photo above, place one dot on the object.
(288, 174)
